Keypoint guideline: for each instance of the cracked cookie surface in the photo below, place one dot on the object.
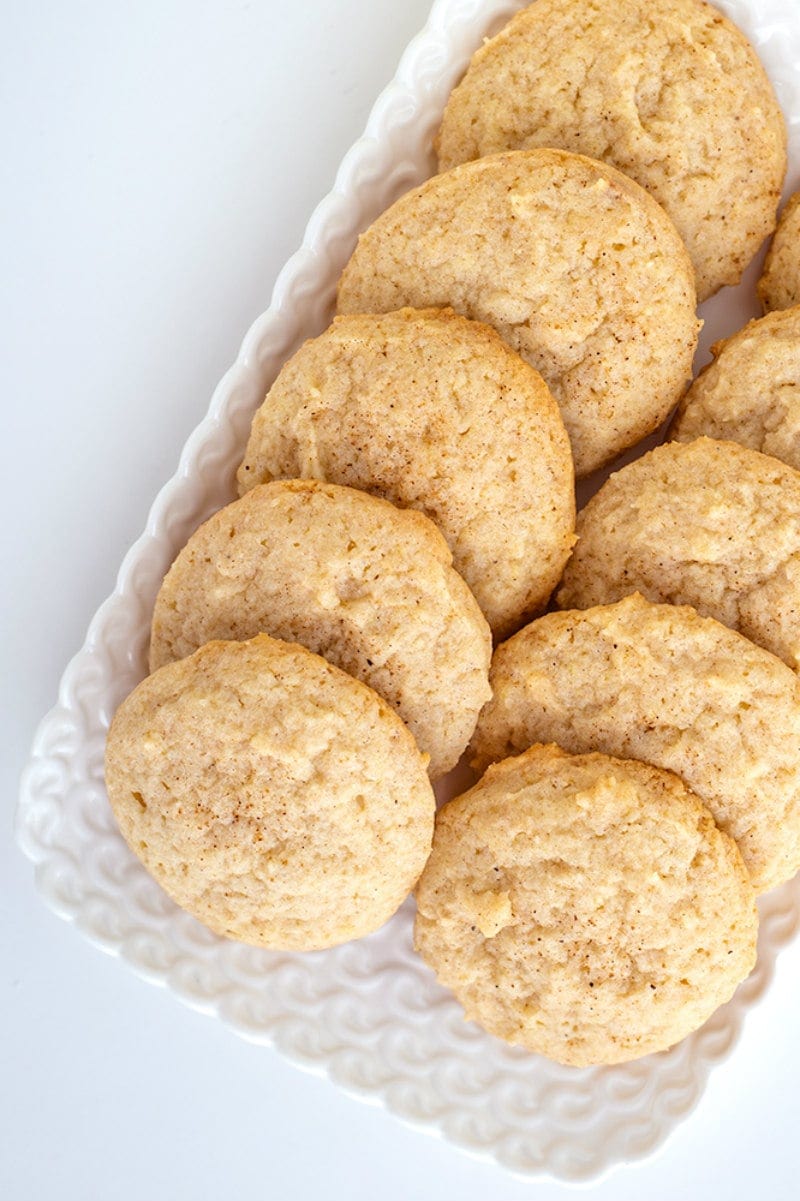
(278, 800)
(435, 413)
(575, 266)
(661, 684)
(585, 907)
(705, 523)
(668, 91)
(366, 585)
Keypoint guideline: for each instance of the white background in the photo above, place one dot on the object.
(159, 163)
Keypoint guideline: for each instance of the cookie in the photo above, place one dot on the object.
(278, 800)
(435, 413)
(779, 286)
(366, 585)
(574, 265)
(751, 392)
(680, 691)
(585, 907)
(705, 523)
(668, 91)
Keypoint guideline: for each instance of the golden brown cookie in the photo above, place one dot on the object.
(278, 800)
(585, 907)
(705, 523)
(434, 413)
(779, 286)
(661, 684)
(668, 91)
(750, 393)
(574, 265)
(366, 585)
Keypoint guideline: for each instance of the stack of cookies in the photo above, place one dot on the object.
(321, 648)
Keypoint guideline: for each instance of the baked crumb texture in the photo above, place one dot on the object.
(574, 265)
(668, 91)
(705, 523)
(278, 800)
(585, 907)
(435, 413)
(366, 585)
(661, 684)
(779, 286)
(750, 393)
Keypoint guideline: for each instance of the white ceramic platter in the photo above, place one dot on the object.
(369, 1014)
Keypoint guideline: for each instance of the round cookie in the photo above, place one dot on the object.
(364, 584)
(779, 286)
(435, 413)
(278, 800)
(668, 91)
(585, 907)
(574, 265)
(750, 393)
(680, 691)
(705, 523)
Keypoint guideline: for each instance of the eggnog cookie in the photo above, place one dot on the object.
(751, 392)
(585, 907)
(364, 584)
(668, 91)
(434, 413)
(705, 523)
(779, 286)
(280, 801)
(680, 691)
(577, 268)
